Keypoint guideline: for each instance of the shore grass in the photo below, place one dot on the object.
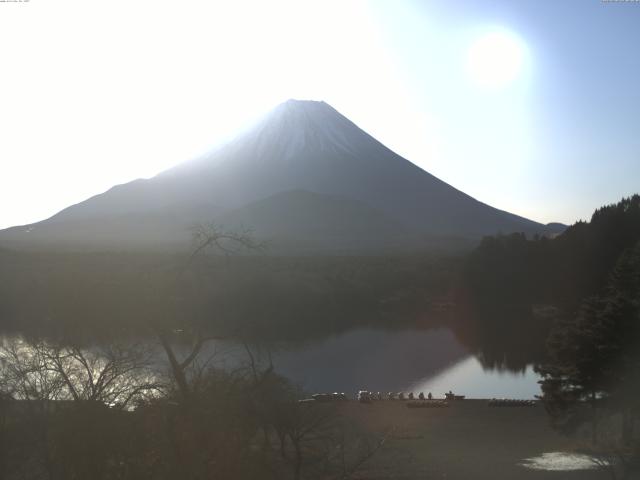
(467, 440)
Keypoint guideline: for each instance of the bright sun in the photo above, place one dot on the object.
(495, 59)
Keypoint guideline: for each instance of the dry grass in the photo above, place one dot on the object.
(467, 440)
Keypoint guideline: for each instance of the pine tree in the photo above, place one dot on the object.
(593, 356)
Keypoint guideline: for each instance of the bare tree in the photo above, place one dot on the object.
(317, 441)
(213, 236)
(353, 448)
(114, 374)
(205, 237)
(309, 428)
(187, 369)
(56, 399)
(27, 374)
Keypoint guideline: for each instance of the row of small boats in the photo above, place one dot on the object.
(508, 402)
(428, 404)
(419, 401)
(365, 396)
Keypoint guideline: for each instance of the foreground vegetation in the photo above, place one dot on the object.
(114, 412)
(82, 398)
(589, 277)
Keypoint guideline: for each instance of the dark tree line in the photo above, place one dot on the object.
(283, 298)
(516, 270)
(514, 287)
(583, 289)
(592, 376)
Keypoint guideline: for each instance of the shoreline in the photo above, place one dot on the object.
(466, 440)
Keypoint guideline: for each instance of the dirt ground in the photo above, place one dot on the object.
(467, 440)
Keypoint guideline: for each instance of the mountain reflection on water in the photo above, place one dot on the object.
(468, 377)
(400, 360)
(442, 355)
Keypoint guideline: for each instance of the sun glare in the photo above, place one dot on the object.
(495, 59)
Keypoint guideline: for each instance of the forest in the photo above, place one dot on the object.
(582, 291)
(259, 296)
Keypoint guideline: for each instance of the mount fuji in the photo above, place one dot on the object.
(304, 177)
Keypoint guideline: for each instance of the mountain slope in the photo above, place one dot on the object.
(299, 146)
(300, 221)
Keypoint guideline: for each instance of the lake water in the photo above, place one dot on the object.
(417, 360)
(405, 360)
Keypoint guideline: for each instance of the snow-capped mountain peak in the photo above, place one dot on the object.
(298, 125)
(304, 147)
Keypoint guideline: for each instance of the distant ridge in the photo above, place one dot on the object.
(303, 154)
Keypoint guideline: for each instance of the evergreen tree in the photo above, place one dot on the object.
(593, 356)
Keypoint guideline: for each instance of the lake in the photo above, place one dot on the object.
(399, 360)
(418, 360)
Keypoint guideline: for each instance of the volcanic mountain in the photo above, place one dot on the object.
(304, 177)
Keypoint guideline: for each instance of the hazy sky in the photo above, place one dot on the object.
(530, 106)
